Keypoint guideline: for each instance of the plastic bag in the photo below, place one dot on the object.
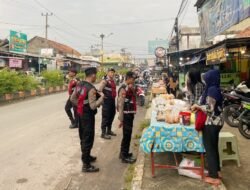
(189, 173)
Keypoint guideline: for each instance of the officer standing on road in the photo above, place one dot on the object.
(69, 105)
(108, 87)
(87, 100)
(127, 109)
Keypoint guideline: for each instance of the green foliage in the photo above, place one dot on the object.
(53, 78)
(81, 75)
(144, 124)
(100, 74)
(27, 83)
(12, 81)
(123, 71)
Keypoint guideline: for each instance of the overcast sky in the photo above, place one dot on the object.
(78, 22)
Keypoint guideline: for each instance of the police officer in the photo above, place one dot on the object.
(127, 109)
(69, 106)
(108, 87)
(87, 100)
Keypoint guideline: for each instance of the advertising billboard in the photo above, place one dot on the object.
(217, 16)
(153, 44)
(18, 42)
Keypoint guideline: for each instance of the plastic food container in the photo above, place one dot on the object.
(185, 118)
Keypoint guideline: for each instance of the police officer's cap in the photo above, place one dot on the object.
(111, 69)
(73, 70)
(130, 74)
(90, 71)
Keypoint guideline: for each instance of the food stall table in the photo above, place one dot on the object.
(157, 91)
(175, 138)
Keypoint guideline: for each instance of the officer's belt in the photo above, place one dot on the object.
(109, 89)
(128, 101)
(128, 112)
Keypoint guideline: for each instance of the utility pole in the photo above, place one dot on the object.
(102, 36)
(46, 23)
(176, 27)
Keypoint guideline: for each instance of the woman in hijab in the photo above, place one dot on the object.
(194, 86)
(211, 103)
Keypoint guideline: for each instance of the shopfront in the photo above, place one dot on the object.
(231, 57)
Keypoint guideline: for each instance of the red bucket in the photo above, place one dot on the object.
(185, 118)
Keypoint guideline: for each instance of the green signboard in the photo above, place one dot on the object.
(18, 41)
(153, 44)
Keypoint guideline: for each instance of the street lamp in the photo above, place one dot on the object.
(102, 36)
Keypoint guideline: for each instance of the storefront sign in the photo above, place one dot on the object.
(47, 52)
(160, 52)
(238, 49)
(217, 16)
(227, 79)
(15, 63)
(216, 56)
(18, 42)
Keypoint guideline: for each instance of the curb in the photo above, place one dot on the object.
(138, 171)
(139, 165)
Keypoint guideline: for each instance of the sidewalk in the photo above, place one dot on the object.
(233, 177)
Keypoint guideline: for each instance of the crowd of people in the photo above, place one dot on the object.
(84, 99)
(203, 92)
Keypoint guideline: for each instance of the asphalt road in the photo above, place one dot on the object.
(38, 150)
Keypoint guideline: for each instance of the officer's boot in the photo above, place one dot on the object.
(72, 125)
(104, 135)
(88, 168)
(111, 133)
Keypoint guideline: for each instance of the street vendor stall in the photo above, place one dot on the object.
(175, 138)
(157, 89)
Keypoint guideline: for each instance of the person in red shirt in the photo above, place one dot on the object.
(68, 107)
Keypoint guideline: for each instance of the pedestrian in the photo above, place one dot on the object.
(172, 86)
(211, 104)
(194, 86)
(87, 100)
(68, 107)
(127, 109)
(108, 87)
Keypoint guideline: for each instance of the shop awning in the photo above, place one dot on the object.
(193, 60)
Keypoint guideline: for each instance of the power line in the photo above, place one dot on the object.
(184, 14)
(16, 24)
(60, 19)
(137, 22)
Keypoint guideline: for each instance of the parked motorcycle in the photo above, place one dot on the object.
(231, 111)
(140, 95)
(236, 109)
(244, 119)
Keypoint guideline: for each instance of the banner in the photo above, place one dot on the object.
(216, 16)
(153, 44)
(216, 56)
(47, 52)
(18, 42)
(15, 63)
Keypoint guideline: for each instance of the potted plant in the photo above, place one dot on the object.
(54, 79)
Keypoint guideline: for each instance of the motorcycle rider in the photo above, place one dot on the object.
(108, 87)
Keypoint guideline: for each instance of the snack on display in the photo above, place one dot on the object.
(170, 108)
